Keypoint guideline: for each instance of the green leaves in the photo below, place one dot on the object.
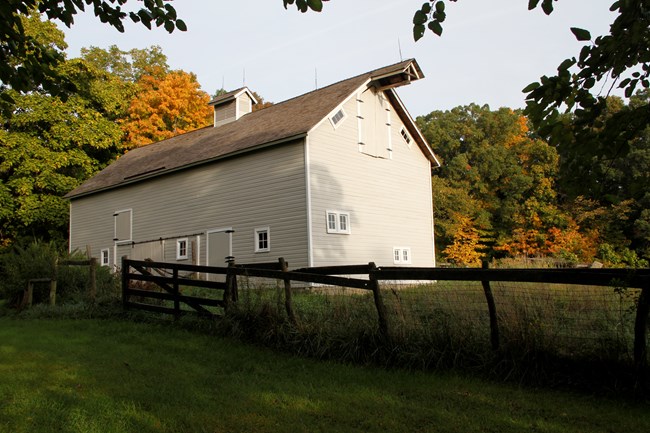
(430, 15)
(305, 5)
(435, 27)
(581, 34)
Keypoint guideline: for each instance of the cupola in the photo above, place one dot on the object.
(232, 105)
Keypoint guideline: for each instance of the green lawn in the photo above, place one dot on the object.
(113, 376)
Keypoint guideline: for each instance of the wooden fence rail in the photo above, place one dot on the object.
(340, 276)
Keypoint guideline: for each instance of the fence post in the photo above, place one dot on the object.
(231, 284)
(125, 281)
(92, 271)
(379, 303)
(640, 326)
(288, 305)
(29, 296)
(492, 309)
(53, 282)
(177, 303)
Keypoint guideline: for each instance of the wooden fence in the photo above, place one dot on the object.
(28, 294)
(170, 277)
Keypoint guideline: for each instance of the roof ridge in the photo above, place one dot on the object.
(368, 73)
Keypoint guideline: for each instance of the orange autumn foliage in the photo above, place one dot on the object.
(571, 240)
(466, 244)
(524, 242)
(165, 105)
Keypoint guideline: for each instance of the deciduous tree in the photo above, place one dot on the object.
(165, 107)
(49, 144)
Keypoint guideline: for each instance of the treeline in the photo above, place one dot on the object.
(503, 191)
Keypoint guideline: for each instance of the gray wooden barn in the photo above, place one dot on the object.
(340, 175)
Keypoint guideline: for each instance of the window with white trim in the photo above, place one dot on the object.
(104, 257)
(181, 249)
(262, 240)
(338, 222)
(406, 136)
(337, 118)
(402, 255)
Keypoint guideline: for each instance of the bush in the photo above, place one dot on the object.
(22, 262)
(19, 263)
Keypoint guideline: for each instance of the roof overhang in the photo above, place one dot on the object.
(231, 96)
(402, 75)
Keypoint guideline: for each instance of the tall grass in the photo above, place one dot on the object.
(550, 334)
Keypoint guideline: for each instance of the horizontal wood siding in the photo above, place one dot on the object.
(389, 200)
(265, 188)
(224, 113)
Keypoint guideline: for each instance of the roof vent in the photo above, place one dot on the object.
(232, 105)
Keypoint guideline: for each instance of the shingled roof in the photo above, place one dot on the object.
(280, 122)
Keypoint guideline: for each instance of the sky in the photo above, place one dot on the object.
(489, 50)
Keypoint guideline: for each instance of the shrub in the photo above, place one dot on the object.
(19, 263)
(22, 262)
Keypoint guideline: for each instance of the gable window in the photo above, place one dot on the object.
(181, 249)
(402, 255)
(104, 257)
(405, 136)
(338, 222)
(122, 225)
(337, 118)
(262, 240)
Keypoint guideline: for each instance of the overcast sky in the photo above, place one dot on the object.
(489, 50)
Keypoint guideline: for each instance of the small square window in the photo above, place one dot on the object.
(104, 257)
(402, 255)
(181, 249)
(338, 222)
(262, 240)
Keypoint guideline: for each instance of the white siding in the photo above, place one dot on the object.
(389, 200)
(265, 188)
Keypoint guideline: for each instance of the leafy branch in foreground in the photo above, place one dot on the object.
(25, 62)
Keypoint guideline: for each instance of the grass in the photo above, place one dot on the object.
(113, 376)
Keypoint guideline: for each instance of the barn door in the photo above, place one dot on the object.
(219, 247)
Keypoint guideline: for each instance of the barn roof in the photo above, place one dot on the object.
(280, 122)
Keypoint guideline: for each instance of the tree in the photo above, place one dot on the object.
(27, 63)
(494, 172)
(464, 250)
(49, 144)
(47, 148)
(130, 65)
(165, 107)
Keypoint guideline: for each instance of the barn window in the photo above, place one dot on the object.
(405, 136)
(181, 249)
(402, 255)
(262, 240)
(338, 222)
(104, 257)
